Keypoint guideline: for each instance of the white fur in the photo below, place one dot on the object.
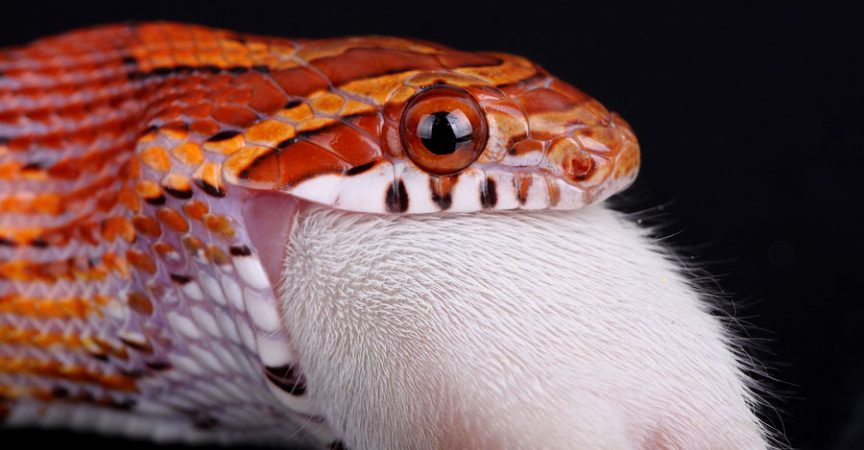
(508, 330)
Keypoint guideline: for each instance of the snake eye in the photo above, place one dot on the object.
(443, 130)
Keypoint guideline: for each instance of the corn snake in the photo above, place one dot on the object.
(133, 274)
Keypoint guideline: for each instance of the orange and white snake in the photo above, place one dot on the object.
(141, 168)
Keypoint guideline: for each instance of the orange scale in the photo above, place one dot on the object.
(216, 256)
(270, 132)
(164, 250)
(297, 113)
(195, 209)
(105, 201)
(172, 219)
(185, 57)
(235, 115)
(257, 164)
(543, 100)
(204, 127)
(192, 243)
(177, 130)
(39, 115)
(156, 158)
(198, 110)
(350, 144)
(231, 95)
(169, 112)
(148, 136)
(297, 162)
(88, 233)
(9, 170)
(141, 261)
(189, 153)
(266, 97)
(215, 83)
(210, 174)
(139, 303)
(370, 123)
(69, 169)
(148, 190)
(299, 81)
(177, 185)
(327, 103)
(114, 227)
(238, 60)
(116, 264)
(146, 226)
(232, 47)
(129, 199)
(192, 94)
(226, 146)
(314, 124)
(219, 225)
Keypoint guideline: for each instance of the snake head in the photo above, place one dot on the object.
(410, 127)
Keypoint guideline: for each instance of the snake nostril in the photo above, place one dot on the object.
(579, 167)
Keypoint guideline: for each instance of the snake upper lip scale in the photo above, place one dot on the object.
(142, 167)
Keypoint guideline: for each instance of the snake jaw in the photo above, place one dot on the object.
(268, 219)
(170, 182)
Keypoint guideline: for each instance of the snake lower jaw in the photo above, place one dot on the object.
(269, 217)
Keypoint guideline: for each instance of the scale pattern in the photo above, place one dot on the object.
(132, 298)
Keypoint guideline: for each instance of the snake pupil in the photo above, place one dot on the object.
(443, 132)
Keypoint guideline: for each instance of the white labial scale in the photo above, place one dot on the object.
(505, 192)
(274, 350)
(261, 310)
(418, 188)
(571, 197)
(251, 271)
(538, 194)
(366, 191)
(466, 193)
(320, 189)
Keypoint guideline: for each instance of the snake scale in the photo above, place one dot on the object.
(137, 274)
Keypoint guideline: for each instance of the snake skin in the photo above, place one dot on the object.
(133, 299)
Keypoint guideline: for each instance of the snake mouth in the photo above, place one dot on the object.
(269, 217)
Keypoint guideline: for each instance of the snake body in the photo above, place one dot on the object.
(135, 295)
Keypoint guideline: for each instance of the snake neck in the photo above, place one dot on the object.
(129, 292)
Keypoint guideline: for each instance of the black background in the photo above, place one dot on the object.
(749, 120)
